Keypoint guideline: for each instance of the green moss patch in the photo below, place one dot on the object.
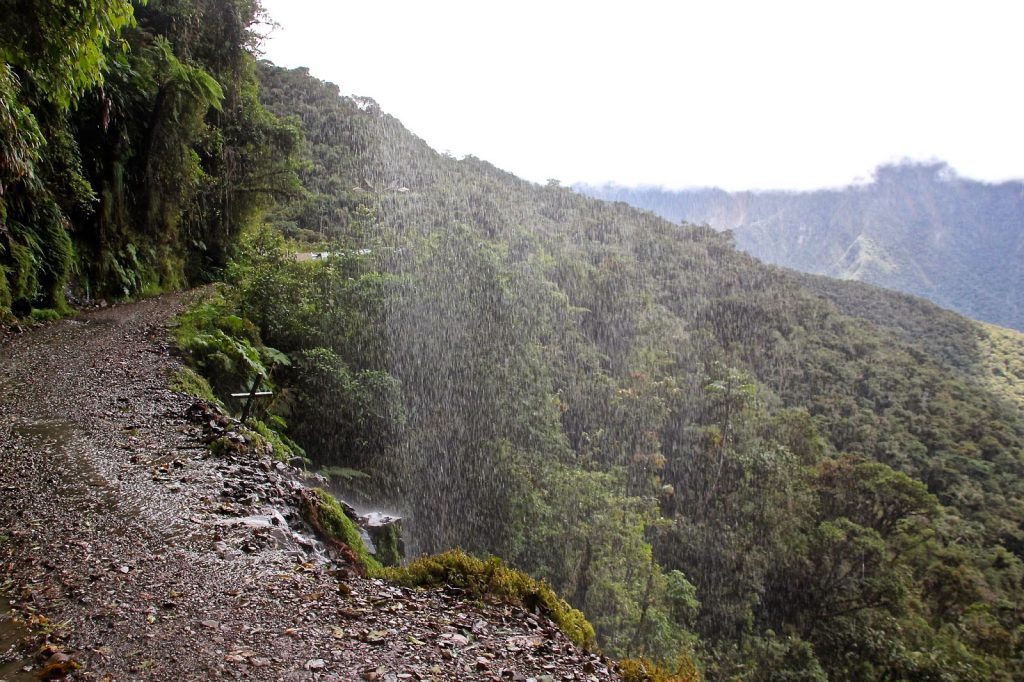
(46, 314)
(323, 512)
(493, 579)
(644, 670)
(188, 381)
(281, 446)
(388, 541)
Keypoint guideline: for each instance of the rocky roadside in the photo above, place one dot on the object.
(130, 552)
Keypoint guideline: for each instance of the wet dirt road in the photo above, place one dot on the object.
(131, 553)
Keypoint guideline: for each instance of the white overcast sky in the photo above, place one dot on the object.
(740, 95)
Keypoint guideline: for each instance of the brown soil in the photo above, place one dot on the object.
(130, 551)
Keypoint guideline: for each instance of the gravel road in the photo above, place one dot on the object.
(129, 552)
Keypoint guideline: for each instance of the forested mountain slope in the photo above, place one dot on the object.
(723, 463)
(916, 228)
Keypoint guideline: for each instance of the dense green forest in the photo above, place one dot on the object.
(731, 468)
(133, 147)
(713, 458)
(916, 227)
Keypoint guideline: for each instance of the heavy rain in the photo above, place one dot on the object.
(426, 419)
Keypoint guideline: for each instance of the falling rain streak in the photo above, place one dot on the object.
(722, 468)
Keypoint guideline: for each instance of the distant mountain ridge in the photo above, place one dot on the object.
(917, 228)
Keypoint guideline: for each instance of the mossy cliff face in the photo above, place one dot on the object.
(327, 517)
(387, 539)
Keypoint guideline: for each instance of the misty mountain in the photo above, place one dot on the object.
(916, 228)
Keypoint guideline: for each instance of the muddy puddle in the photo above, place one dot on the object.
(13, 655)
(55, 438)
(46, 433)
